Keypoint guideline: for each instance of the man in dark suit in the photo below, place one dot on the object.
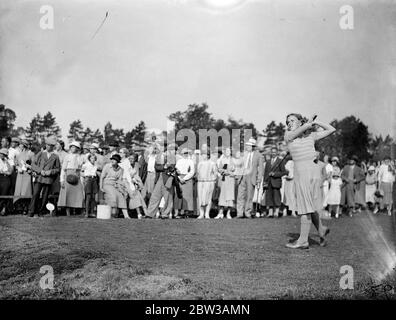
(46, 167)
(273, 173)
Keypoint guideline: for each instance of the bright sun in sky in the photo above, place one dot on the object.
(223, 4)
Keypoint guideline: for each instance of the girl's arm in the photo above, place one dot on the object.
(328, 130)
(291, 135)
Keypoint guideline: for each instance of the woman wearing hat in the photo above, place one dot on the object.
(133, 183)
(71, 195)
(386, 177)
(5, 173)
(206, 176)
(371, 186)
(335, 163)
(227, 184)
(334, 194)
(307, 178)
(61, 153)
(111, 184)
(186, 170)
(23, 186)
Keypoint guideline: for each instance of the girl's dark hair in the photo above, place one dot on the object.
(297, 115)
(91, 156)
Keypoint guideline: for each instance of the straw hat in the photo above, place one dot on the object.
(94, 146)
(76, 144)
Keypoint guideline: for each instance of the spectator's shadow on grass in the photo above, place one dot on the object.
(294, 236)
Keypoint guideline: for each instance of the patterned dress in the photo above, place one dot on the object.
(307, 174)
(111, 177)
(23, 186)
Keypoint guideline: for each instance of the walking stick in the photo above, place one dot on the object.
(258, 188)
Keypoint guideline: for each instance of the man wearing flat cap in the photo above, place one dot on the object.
(46, 167)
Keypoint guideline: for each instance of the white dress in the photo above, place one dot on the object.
(334, 194)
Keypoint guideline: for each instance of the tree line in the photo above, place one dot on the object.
(352, 136)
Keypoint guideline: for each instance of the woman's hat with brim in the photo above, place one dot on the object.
(335, 159)
(116, 157)
(371, 168)
(75, 144)
(15, 139)
(355, 158)
(4, 151)
(94, 146)
(184, 151)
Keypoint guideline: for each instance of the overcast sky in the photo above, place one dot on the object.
(254, 60)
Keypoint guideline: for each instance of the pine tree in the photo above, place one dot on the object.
(76, 131)
(34, 131)
(50, 127)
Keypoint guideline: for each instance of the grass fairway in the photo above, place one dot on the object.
(189, 259)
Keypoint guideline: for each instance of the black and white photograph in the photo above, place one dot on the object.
(212, 151)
